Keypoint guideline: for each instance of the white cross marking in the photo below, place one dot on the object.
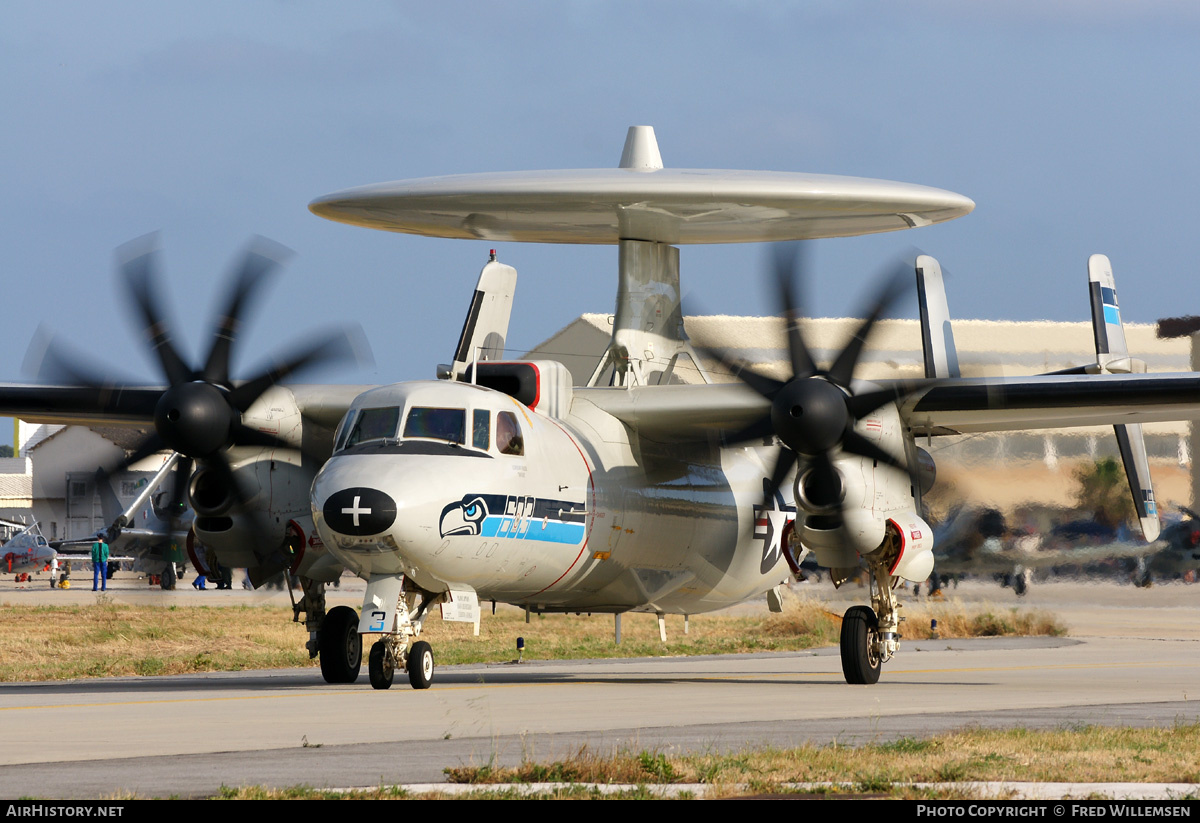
(355, 510)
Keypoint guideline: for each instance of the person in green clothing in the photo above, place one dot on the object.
(99, 564)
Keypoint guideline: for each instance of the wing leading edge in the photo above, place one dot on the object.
(1052, 401)
(680, 413)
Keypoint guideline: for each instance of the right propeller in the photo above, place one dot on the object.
(814, 411)
(199, 414)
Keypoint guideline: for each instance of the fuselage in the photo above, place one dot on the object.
(456, 484)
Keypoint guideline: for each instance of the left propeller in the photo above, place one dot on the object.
(199, 413)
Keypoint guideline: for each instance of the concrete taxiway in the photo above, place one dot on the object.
(190, 735)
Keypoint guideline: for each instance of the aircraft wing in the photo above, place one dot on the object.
(1052, 401)
(84, 406)
(74, 405)
(952, 406)
(680, 412)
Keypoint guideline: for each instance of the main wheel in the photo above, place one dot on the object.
(860, 661)
(341, 646)
(381, 666)
(420, 665)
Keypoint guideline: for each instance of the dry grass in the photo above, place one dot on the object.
(106, 639)
(1092, 754)
(888, 769)
(985, 620)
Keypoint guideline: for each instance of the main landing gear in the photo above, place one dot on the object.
(871, 634)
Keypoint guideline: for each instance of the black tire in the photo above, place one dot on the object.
(381, 667)
(341, 646)
(167, 579)
(860, 664)
(1019, 584)
(420, 665)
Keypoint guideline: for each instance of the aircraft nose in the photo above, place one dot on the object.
(359, 511)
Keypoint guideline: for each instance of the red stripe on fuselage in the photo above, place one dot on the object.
(591, 512)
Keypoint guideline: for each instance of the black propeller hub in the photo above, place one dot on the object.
(194, 419)
(810, 415)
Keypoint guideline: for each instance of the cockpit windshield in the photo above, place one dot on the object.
(438, 424)
(374, 424)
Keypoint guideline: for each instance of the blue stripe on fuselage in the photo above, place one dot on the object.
(549, 531)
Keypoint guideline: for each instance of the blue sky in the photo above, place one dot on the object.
(1072, 125)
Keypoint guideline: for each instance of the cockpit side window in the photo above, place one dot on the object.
(481, 432)
(343, 429)
(374, 424)
(508, 434)
(438, 424)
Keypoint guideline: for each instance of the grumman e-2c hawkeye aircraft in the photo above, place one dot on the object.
(635, 492)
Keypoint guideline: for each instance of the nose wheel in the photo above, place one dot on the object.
(420, 665)
(386, 657)
(382, 664)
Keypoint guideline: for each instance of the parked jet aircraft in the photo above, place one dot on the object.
(151, 532)
(635, 492)
(26, 551)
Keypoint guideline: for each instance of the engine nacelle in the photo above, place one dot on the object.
(874, 507)
(274, 486)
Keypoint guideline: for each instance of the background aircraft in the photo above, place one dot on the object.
(26, 551)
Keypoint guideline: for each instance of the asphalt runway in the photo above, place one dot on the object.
(1133, 659)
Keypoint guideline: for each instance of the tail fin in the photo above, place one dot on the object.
(1112, 357)
(110, 506)
(937, 338)
(486, 326)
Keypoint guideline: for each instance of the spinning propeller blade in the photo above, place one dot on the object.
(814, 411)
(199, 414)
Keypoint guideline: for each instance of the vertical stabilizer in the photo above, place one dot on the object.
(486, 326)
(1112, 356)
(937, 337)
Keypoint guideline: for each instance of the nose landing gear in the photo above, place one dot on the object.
(387, 655)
